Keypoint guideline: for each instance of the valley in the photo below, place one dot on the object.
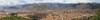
(52, 11)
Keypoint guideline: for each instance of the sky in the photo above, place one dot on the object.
(16, 2)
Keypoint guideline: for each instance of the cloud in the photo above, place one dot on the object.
(16, 2)
(98, 1)
(77, 1)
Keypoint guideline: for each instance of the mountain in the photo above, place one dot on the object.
(46, 6)
(70, 11)
(36, 5)
(15, 6)
(52, 9)
(52, 6)
(55, 6)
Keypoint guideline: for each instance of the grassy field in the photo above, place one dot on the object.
(13, 18)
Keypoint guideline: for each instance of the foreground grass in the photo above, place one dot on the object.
(13, 18)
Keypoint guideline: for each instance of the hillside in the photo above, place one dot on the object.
(50, 11)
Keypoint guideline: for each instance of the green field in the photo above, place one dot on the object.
(13, 18)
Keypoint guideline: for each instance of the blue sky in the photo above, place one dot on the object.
(16, 2)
